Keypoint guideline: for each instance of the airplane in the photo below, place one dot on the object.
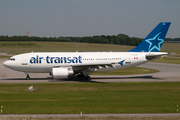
(61, 65)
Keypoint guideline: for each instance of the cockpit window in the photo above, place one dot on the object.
(12, 59)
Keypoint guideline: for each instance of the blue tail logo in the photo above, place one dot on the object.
(157, 45)
(155, 39)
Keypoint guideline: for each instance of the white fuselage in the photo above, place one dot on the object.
(91, 61)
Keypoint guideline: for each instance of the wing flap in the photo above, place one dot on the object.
(93, 67)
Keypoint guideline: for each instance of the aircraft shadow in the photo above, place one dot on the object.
(50, 79)
(93, 80)
(74, 79)
(133, 77)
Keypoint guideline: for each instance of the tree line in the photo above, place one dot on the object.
(120, 39)
(172, 39)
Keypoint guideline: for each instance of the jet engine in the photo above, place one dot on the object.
(59, 73)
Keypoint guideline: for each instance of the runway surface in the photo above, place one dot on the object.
(167, 73)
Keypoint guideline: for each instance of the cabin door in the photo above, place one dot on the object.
(128, 59)
(25, 60)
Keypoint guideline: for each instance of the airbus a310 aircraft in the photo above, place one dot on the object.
(63, 64)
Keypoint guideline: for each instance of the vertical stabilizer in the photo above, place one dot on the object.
(155, 39)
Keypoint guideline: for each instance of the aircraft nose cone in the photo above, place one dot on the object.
(5, 63)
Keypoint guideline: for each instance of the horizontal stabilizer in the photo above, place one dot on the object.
(155, 56)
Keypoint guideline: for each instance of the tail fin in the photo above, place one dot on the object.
(153, 42)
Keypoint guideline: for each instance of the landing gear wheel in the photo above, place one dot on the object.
(88, 78)
(80, 76)
(83, 78)
(28, 78)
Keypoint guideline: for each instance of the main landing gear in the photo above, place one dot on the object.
(84, 76)
(27, 76)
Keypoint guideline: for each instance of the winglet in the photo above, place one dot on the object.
(155, 39)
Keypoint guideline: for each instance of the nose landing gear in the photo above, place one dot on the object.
(27, 76)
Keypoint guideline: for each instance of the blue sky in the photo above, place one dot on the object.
(78, 18)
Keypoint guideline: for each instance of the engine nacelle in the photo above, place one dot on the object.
(59, 73)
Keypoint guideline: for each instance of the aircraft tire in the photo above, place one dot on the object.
(88, 78)
(83, 78)
(28, 78)
(79, 76)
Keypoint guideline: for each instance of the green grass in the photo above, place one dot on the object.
(3, 56)
(168, 60)
(73, 46)
(92, 118)
(90, 98)
(59, 46)
(15, 53)
(128, 71)
(17, 44)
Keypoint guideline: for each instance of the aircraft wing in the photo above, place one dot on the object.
(94, 66)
